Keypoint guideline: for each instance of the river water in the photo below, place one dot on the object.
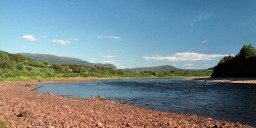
(225, 101)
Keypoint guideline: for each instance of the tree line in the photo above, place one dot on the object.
(241, 65)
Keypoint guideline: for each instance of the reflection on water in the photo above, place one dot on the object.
(216, 100)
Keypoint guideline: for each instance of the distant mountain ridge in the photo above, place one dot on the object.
(63, 60)
(157, 68)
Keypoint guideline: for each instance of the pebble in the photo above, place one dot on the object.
(215, 126)
(99, 124)
(65, 106)
(49, 126)
(49, 93)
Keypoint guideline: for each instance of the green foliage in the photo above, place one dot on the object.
(242, 65)
(46, 62)
(57, 67)
(79, 70)
(182, 73)
(16, 67)
(2, 124)
(19, 58)
(6, 62)
(63, 60)
(248, 51)
(37, 64)
(158, 68)
(226, 59)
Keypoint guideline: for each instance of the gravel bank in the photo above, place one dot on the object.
(236, 80)
(21, 107)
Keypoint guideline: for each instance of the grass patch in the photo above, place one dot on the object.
(2, 124)
(24, 78)
(21, 78)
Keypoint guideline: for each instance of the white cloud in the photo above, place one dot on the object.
(188, 64)
(107, 57)
(206, 64)
(62, 42)
(110, 37)
(186, 56)
(204, 41)
(29, 38)
(202, 17)
(73, 39)
(109, 62)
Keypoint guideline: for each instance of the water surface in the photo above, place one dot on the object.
(226, 101)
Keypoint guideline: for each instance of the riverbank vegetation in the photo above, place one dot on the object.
(241, 65)
(2, 124)
(17, 67)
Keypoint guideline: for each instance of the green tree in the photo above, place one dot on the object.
(5, 61)
(246, 52)
(120, 72)
(66, 68)
(37, 64)
(79, 70)
(112, 71)
(19, 58)
(46, 62)
(226, 59)
(243, 65)
(57, 67)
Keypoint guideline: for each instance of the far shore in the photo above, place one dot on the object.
(237, 80)
(21, 106)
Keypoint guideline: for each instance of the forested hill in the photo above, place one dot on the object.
(17, 67)
(157, 68)
(242, 65)
(64, 60)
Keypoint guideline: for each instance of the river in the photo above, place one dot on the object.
(233, 102)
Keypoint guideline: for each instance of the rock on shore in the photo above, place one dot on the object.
(21, 107)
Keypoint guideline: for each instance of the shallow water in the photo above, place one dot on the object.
(232, 102)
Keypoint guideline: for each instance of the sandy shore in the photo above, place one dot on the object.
(225, 80)
(21, 107)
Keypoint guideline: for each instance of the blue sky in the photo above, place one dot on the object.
(190, 34)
